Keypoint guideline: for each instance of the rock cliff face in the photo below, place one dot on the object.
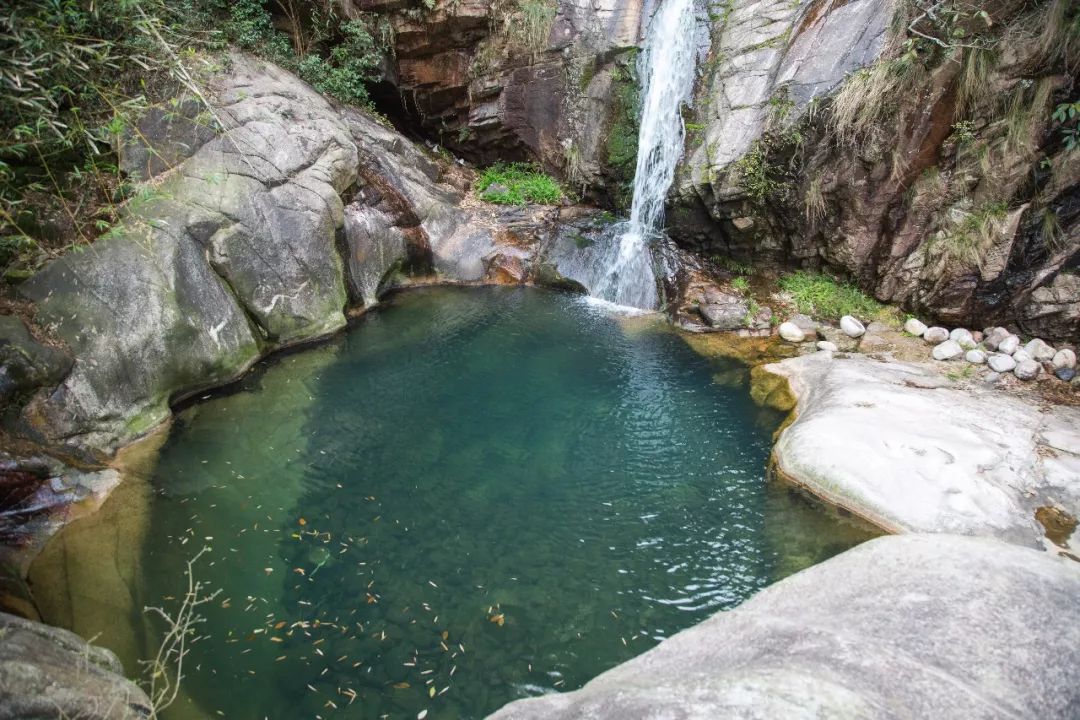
(514, 79)
(240, 250)
(836, 135)
(881, 631)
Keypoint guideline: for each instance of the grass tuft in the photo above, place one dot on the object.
(525, 184)
(821, 295)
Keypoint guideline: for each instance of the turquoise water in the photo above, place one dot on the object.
(476, 495)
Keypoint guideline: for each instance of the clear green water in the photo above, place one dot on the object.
(376, 506)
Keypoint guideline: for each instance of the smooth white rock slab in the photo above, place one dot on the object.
(917, 626)
(900, 445)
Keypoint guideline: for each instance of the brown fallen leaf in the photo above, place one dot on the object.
(401, 686)
(498, 619)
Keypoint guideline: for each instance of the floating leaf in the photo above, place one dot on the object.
(303, 521)
(498, 619)
(401, 686)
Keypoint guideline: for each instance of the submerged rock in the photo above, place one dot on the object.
(889, 442)
(46, 672)
(910, 626)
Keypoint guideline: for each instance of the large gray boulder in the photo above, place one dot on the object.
(46, 672)
(902, 446)
(901, 627)
(228, 257)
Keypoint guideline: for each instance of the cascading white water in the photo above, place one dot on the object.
(620, 269)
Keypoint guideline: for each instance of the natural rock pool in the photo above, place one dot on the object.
(473, 496)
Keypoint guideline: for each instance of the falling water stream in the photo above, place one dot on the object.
(619, 268)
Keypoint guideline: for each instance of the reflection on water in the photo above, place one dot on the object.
(476, 495)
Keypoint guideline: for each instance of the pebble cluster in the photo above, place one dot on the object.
(999, 349)
(995, 347)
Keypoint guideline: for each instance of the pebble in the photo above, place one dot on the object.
(1039, 350)
(1009, 344)
(915, 327)
(936, 335)
(851, 326)
(1020, 356)
(993, 336)
(975, 357)
(792, 332)
(1027, 369)
(963, 337)
(948, 350)
(1064, 359)
(826, 345)
(1001, 363)
(991, 377)
(1065, 374)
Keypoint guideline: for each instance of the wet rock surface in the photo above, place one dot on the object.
(882, 631)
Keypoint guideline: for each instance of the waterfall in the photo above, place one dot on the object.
(619, 268)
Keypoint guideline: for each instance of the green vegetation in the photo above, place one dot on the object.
(78, 75)
(814, 200)
(524, 184)
(622, 141)
(733, 265)
(821, 295)
(965, 372)
(966, 240)
(523, 23)
(1068, 116)
(756, 175)
(740, 284)
(964, 132)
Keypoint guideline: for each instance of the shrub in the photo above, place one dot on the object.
(821, 295)
(525, 184)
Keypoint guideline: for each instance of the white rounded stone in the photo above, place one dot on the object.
(852, 327)
(792, 332)
(975, 357)
(1028, 370)
(915, 327)
(826, 345)
(1020, 356)
(1001, 363)
(948, 350)
(936, 335)
(1009, 344)
(1039, 350)
(1064, 359)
